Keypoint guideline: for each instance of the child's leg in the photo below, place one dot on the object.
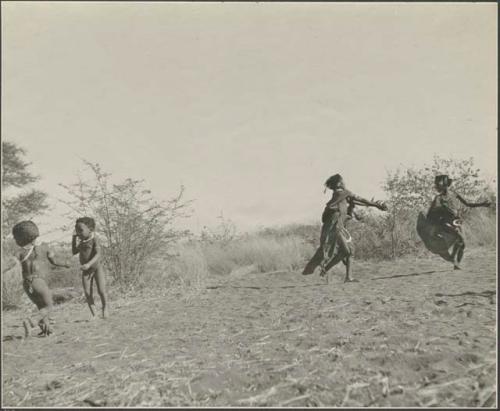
(43, 299)
(458, 252)
(44, 322)
(87, 281)
(101, 289)
(348, 277)
(346, 255)
(27, 325)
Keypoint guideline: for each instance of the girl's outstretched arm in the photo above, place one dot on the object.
(50, 257)
(472, 205)
(362, 201)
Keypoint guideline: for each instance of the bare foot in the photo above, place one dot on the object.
(105, 314)
(351, 280)
(456, 267)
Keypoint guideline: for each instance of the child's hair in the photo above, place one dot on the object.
(88, 221)
(25, 232)
(333, 181)
(443, 179)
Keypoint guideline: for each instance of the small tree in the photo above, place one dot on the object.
(135, 226)
(411, 190)
(27, 203)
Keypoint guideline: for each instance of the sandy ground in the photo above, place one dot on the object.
(410, 333)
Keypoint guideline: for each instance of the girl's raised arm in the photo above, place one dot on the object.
(472, 205)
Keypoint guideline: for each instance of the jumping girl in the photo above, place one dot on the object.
(444, 212)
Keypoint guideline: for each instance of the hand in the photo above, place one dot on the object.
(381, 205)
(85, 267)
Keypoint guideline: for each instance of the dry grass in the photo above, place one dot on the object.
(266, 253)
(12, 290)
(480, 228)
(411, 333)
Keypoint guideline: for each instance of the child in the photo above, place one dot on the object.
(90, 254)
(335, 241)
(26, 235)
(444, 211)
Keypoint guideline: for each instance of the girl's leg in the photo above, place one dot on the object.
(345, 254)
(87, 282)
(348, 277)
(28, 322)
(458, 252)
(43, 299)
(101, 289)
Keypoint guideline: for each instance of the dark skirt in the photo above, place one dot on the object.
(333, 233)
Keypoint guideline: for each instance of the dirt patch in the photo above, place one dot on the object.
(410, 333)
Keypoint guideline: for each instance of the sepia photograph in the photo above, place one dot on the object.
(249, 204)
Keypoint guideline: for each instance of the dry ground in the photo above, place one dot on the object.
(410, 333)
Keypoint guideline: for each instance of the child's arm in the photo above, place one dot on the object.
(361, 201)
(94, 259)
(472, 205)
(74, 246)
(50, 257)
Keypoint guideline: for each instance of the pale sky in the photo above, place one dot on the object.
(250, 105)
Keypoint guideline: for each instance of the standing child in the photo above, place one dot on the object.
(444, 212)
(335, 241)
(26, 235)
(90, 255)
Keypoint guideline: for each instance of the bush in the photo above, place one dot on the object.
(134, 226)
(480, 228)
(411, 190)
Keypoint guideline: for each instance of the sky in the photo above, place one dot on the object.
(250, 106)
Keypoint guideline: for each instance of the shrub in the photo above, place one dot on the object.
(134, 226)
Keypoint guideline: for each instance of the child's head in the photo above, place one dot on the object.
(84, 227)
(442, 182)
(334, 182)
(25, 233)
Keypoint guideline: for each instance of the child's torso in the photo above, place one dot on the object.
(87, 250)
(448, 200)
(29, 263)
(339, 201)
(338, 206)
